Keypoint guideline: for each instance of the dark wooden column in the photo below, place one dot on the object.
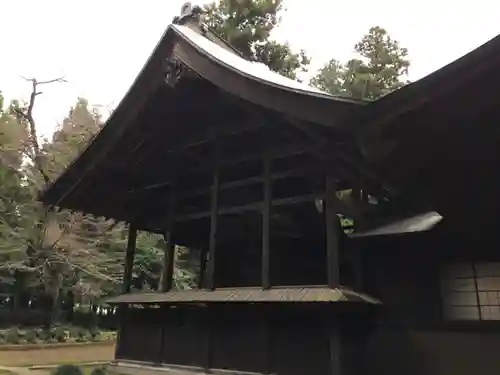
(353, 247)
(266, 212)
(126, 286)
(335, 347)
(332, 233)
(214, 208)
(129, 258)
(169, 259)
(203, 268)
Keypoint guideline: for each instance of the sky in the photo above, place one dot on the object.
(99, 46)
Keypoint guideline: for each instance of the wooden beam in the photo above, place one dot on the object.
(129, 258)
(235, 210)
(332, 228)
(256, 206)
(194, 141)
(321, 142)
(302, 172)
(214, 208)
(266, 212)
(275, 154)
(169, 258)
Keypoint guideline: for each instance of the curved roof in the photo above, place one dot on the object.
(251, 69)
(256, 83)
(250, 81)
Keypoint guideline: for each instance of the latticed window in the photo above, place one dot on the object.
(471, 291)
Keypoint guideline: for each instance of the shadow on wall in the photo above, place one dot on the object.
(398, 351)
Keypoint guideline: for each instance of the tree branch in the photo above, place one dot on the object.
(28, 116)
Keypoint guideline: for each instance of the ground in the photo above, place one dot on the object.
(43, 359)
(46, 371)
(49, 355)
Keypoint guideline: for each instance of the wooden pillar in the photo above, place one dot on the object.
(129, 258)
(332, 233)
(208, 321)
(335, 347)
(268, 339)
(266, 213)
(127, 284)
(203, 268)
(214, 207)
(357, 265)
(169, 259)
(167, 277)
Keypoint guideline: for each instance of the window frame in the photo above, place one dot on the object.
(446, 280)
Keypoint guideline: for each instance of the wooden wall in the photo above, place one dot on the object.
(293, 262)
(410, 336)
(284, 341)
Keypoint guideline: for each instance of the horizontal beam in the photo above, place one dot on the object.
(343, 207)
(250, 181)
(276, 154)
(206, 138)
(256, 206)
(318, 139)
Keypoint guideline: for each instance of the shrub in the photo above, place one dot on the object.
(59, 334)
(12, 336)
(108, 336)
(80, 334)
(95, 334)
(67, 370)
(30, 336)
(44, 335)
(100, 370)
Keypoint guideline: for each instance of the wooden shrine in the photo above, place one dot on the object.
(259, 174)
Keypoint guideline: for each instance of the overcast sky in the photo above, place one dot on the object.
(99, 46)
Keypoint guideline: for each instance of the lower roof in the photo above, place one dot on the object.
(438, 138)
(248, 295)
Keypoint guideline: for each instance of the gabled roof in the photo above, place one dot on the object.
(438, 137)
(413, 114)
(123, 133)
(447, 80)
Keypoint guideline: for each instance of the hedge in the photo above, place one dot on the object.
(20, 336)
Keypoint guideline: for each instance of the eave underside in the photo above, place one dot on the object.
(171, 150)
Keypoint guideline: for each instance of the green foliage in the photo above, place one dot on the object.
(381, 69)
(15, 335)
(12, 336)
(59, 334)
(48, 253)
(31, 337)
(247, 26)
(67, 370)
(100, 370)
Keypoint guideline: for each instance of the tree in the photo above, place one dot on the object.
(61, 253)
(330, 78)
(382, 68)
(13, 137)
(247, 26)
